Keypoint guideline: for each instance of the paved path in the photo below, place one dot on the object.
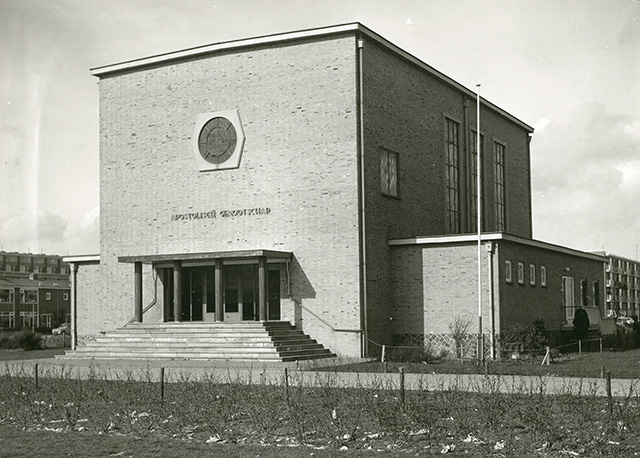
(274, 373)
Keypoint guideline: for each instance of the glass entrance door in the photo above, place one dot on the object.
(240, 292)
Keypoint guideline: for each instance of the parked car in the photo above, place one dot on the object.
(64, 328)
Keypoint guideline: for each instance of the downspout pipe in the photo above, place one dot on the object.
(364, 343)
(74, 305)
(492, 318)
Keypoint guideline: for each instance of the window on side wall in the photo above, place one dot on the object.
(389, 172)
(452, 158)
(532, 274)
(584, 297)
(507, 272)
(520, 273)
(543, 276)
(499, 188)
(48, 296)
(596, 293)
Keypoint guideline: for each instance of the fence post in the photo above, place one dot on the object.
(35, 374)
(547, 357)
(162, 383)
(609, 397)
(286, 384)
(384, 348)
(600, 344)
(579, 347)
(402, 385)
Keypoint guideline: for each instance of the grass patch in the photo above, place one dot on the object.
(621, 365)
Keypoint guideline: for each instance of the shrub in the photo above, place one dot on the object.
(535, 337)
(28, 340)
(7, 342)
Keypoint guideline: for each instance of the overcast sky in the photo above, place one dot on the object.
(571, 69)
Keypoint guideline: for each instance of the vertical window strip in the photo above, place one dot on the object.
(499, 187)
(393, 174)
(474, 180)
(453, 178)
(384, 172)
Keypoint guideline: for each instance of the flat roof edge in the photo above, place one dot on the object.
(466, 238)
(151, 258)
(81, 258)
(243, 42)
(307, 33)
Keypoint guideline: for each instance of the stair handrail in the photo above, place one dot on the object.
(328, 324)
(155, 296)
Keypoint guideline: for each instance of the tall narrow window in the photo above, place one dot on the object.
(583, 293)
(543, 276)
(389, 172)
(507, 272)
(596, 293)
(521, 273)
(499, 187)
(453, 178)
(532, 274)
(474, 180)
(568, 299)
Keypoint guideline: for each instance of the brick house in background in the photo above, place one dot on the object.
(324, 178)
(34, 290)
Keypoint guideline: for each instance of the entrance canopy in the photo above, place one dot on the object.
(217, 287)
(212, 255)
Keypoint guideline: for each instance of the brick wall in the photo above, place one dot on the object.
(405, 110)
(527, 302)
(297, 106)
(433, 284)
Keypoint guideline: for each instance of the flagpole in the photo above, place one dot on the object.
(479, 225)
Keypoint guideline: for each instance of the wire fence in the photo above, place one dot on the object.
(462, 350)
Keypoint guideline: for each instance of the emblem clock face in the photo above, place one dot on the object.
(217, 140)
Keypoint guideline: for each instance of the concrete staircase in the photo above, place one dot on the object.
(248, 341)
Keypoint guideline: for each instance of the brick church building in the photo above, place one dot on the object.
(324, 179)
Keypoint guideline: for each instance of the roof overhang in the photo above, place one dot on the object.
(321, 32)
(82, 259)
(494, 236)
(237, 255)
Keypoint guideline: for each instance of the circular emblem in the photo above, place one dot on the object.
(217, 140)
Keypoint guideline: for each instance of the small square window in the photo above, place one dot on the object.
(532, 274)
(543, 276)
(507, 272)
(520, 273)
(65, 297)
(48, 296)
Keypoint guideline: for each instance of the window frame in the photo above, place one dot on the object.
(543, 276)
(521, 273)
(473, 179)
(532, 274)
(452, 175)
(386, 177)
(508, 273)
(500, 185)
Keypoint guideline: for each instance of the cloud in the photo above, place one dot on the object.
(26, 231)
(586, 180)
(50, 233)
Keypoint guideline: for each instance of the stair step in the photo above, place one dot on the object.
(247, 341)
